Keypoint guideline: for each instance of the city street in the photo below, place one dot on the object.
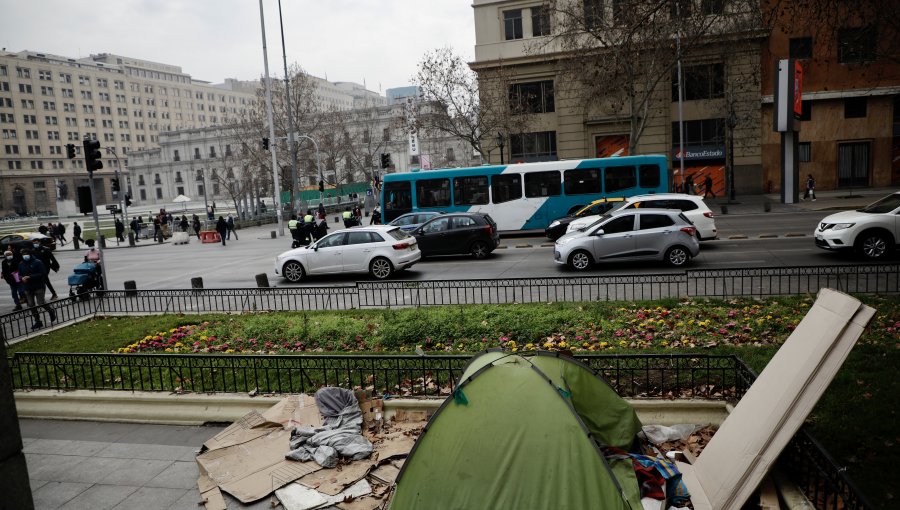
(169, 266)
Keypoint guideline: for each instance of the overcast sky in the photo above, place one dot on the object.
(379, 41)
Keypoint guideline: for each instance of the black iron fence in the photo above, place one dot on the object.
(754, 282)
(635, 376)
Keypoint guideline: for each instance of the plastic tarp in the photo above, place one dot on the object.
(340, 436)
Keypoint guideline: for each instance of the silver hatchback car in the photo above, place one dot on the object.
(630, 234)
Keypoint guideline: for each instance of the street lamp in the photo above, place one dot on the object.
(500, 143)
(731, 122)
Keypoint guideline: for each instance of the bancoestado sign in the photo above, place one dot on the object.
(700, 152)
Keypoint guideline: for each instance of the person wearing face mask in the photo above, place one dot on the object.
(92, 254)
(10, 273)
(50, 263)
(34, 278)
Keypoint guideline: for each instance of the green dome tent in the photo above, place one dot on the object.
(523, 431)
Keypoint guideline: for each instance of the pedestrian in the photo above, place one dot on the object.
(209, 213)
(76, 232)
(183, 224)
(50, 263)
(195, 223)
(322, 209)
(376, 216)
(157, 230)
(92, 254)
(348, 217)
(357, 214)
(140, 224)
(61, 233)
(134, 227)
(689, 184)
(120, 230)
(10, 273)
(708, 186)
(229, 224)
(34, 278)
(43, 229)
(222, 229)
(810, 188)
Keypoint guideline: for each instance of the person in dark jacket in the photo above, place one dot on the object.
(34, 278)
(10, 272)
(76, 232)
(222, 229)
(50, 264)
(183, 224)
(195, 224)
(120, 230)
(230, 224)
(61, 233)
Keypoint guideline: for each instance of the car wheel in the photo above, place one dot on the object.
(479, 249)
(677, 256)
(874, 245)
(580, 260)
(381, 268)
(293, 271)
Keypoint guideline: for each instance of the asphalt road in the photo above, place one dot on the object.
(167, 266)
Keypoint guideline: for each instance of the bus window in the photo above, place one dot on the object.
(542, 184)
(470, 190)
(649, 176)
(506, 187)
(397, 199)
(433, 193)
(616, 178)
(582, 181)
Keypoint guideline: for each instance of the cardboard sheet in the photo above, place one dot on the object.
(295, 410)
(749, 441)
(333, 481)
(213, 499)
(251, 426)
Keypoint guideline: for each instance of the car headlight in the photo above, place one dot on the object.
(842, 226)
(554, 224)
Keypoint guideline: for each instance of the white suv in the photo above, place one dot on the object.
(872, 231)
(693, 207)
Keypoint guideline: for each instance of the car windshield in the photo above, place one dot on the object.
(594, 224)
(399, 234)
(885, 205)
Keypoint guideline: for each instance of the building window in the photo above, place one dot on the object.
(159, 193)
(593, 13)
(801, 47)
(512, 24)
(855, 107)
(196, 153)
(533, 97)
(705, 81)
(451, 155)
(804, 149)
(540, 146)
(180, 190)
(856, 45)
(143, 194)
(540, 21)
(212, 151)
(700, 132)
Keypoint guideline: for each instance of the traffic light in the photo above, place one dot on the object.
(115, 184)
(128, 200)
(321, 186)
(70, 150)
(92, 155)
(265, 144)
(385, 161)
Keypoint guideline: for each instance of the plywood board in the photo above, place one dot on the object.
(754, 434)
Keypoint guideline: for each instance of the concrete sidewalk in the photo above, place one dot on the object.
(101, 465)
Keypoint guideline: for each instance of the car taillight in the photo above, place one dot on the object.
(489, 229)
(708, 214)
(689, 230)
(401, 246)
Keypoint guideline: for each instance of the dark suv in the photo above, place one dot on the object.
(458, 233)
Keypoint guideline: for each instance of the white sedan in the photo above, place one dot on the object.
(377, 249)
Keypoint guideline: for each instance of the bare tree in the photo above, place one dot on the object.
(617, 58)
(465, 110)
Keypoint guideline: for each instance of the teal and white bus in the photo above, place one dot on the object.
(525, 196)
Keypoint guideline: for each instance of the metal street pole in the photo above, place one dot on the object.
(680, 103)
(97, 229)
(290, 114)
(122, 202)
(275, 181)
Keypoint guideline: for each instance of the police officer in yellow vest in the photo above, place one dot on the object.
(348, 221)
